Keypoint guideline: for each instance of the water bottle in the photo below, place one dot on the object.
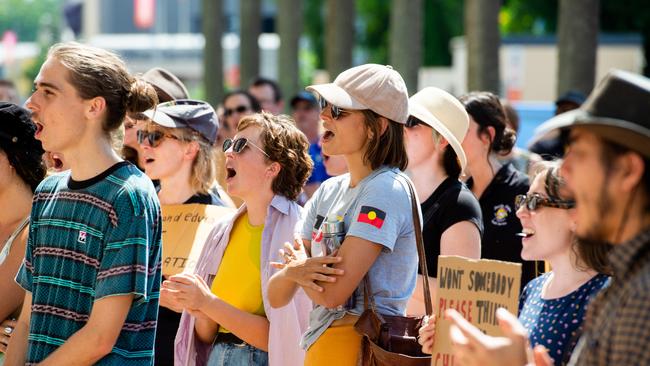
(333, 234)
(333, 230)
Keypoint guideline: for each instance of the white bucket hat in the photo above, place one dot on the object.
(371, 86)
(445, 114)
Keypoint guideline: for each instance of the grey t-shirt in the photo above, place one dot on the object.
(378, 209)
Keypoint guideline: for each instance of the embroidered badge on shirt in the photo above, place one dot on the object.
(82, 237)
(501, 213)
(372, 216)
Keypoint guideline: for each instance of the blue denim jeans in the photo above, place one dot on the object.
(230, 354)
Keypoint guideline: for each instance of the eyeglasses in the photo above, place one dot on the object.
(335, 111)
(412, 122)
(239, 109)
(154, 138)
(534, 201)
(239, 144)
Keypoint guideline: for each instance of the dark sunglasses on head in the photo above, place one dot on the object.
(154, 138)
(239, 109)
(412, 122)
(335, 111)
(534, 201)
(239, 144)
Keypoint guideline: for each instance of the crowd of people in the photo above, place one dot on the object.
(323, 220)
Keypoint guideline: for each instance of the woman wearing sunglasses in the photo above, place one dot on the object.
(363, 114)
(452, 221)
(552, 306)
(236, 105)
(177, 142)
(227, 319)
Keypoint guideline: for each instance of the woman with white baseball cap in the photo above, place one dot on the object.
(452, 221)
(363, 113)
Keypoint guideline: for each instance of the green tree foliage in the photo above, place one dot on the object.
(372, 28)
(314, 29)
(540, 17)
(528, 17)
(628, 16)
(25, 17)
(443, 20)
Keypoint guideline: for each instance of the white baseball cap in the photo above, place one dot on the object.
(371, 86)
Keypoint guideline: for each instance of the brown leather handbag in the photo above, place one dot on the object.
(390, 339)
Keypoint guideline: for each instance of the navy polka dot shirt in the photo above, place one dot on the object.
(556, 323)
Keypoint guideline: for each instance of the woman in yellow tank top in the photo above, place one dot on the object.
(226, 318)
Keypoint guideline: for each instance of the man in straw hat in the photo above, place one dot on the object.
(607, 165)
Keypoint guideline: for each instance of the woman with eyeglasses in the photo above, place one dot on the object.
(495, 184)
(452, 222)
(552, 306)
(177, 142)
(363, 115)
(21, 170)
(236, 105)
(227, 318)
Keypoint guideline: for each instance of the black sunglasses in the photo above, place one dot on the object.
(412, 122)
(239, 144)
(534, 201)
(154, 138)
(335, 111)
(239, 109)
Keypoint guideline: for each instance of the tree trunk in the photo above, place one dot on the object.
(406, 40)
(250, 25)
(483, 42)
(289, 22)
(577, 45)
(339, 36)
(212, 51)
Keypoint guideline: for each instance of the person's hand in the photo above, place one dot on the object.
(168, 300)
(291, 253)
(541, 357)
(6, 330)
(427, 333)
(188, 290)
(472, 347)
(306, 271)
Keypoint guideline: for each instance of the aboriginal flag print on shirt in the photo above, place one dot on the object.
(372, 216)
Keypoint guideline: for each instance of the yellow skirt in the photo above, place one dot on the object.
(339, 345)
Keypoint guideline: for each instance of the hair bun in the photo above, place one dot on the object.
(506, 143)
(141, 97)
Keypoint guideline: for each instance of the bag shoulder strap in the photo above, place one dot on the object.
(368, 299)
(421, 254)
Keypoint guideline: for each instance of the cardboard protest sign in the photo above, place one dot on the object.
(476, 289)
(185, 229)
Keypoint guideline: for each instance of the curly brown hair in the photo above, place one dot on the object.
(285, 144)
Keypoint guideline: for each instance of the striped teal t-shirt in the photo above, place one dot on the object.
(89, 240)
